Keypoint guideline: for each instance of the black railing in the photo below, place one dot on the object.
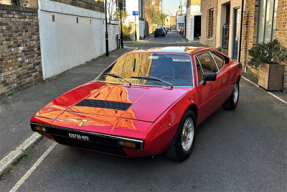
(225, 36)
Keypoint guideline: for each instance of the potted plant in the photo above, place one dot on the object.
(267, 58)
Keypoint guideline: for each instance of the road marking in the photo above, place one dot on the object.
(30, 171)
(266, 91)
(150, 40)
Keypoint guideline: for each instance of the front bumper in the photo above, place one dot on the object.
(89, 140)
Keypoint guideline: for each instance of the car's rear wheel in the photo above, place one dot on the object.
(183, 141)
(232, 101)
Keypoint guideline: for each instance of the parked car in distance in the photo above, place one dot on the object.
(147, 102)
(159, 32)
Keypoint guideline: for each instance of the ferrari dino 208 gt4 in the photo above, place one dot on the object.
(145, 103)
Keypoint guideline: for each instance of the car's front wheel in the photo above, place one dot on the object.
(183, 141)
(232, 101)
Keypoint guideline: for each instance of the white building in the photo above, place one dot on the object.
(129, 7)
(193, 20)
(180, 17)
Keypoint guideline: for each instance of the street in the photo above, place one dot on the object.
(241, 150)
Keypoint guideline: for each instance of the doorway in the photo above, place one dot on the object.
(235, 35)
(197, 27)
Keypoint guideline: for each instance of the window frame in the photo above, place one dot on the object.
(196, 59)
(210, 26)
(264, 29)
(198, 54)
(216, 62)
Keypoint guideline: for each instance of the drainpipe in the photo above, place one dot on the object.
(241, 26)
(107, 33)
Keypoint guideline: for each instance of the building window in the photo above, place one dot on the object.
(181, 25)
(267, 20)
(15, 2)
(210, 27)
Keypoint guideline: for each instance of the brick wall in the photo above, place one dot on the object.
(205, 6)
(20, 56)
(249, 30)
(281, 30)
(95, 5)
(250, 27)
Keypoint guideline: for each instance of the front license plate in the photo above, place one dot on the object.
(79, 137)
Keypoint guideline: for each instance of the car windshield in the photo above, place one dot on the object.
(172, 68)
(158, 30)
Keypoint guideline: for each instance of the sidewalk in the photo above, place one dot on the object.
(146, 40)
(16, 110)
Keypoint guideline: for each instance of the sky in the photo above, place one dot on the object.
(171, 5)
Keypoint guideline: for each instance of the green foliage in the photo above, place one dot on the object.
(117, 15)
(269, 53)
(251, 76)
(126, 32)
(157, 17)
(154, 28)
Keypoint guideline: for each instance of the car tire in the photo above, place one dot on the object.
(183, 141)
(232, 101)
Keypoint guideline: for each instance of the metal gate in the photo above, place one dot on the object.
(225, 36)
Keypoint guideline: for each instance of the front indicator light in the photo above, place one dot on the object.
(128, 144)
(39, 128)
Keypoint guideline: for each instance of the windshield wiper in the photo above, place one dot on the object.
(153, 79)
(118, 77)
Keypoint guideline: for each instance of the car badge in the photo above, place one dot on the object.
(83, 122)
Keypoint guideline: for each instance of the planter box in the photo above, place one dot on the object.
(271, 77)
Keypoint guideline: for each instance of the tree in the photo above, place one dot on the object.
(117, 15)
(111, 5)
(156, 17)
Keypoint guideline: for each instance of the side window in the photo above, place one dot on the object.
(199, 71)
(219, 60)
(207, 63)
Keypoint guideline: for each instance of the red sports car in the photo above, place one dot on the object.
(145, 103)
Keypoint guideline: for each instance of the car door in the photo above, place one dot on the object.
(222, 78)
(208, 100)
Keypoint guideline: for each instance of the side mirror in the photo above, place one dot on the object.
(209, 77)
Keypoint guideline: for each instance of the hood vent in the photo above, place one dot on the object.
(104, 104)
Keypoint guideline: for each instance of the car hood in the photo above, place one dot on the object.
(113, 103)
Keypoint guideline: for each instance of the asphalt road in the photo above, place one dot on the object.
(241, 150)
(171, 39)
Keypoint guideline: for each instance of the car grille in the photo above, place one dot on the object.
(91, 146)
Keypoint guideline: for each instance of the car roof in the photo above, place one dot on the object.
(174, 49)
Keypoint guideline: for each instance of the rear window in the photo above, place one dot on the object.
(158, 30)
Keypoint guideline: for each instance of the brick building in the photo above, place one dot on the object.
(264, 21)
(209, 11)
